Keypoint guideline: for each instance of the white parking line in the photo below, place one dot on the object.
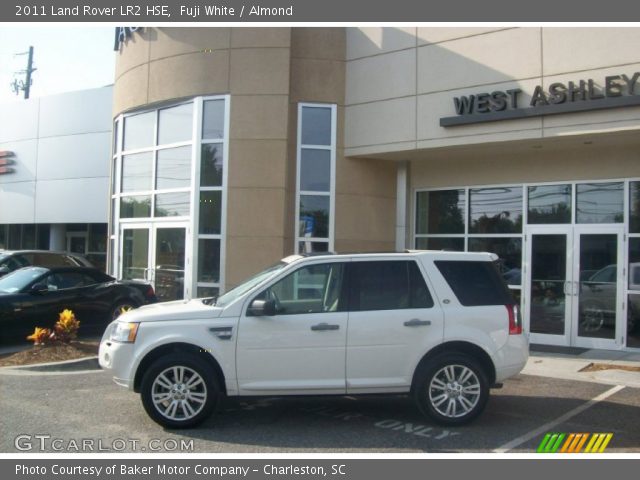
(549, 426)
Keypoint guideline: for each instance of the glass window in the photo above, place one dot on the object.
(475, 283)
(174, 168)
(98, 237)
(139, 131)
(440, 212)
(315, 170)
(65, 280)
(314, 216)
(600, 202)
(175, 124)
(210, 212)
(634, 263)
(172, 204)
(311, 289)
(549, 204)
(509, 251)
(634, 207)
(311, 247)
(387, 285)
(42, 235)
(452, 244)
(208, 260)
(3, 237)
(213, 119)
(135, 207)
(316, 126)
(29, 236)
(137, 172)
(495, 210)
(211, 165)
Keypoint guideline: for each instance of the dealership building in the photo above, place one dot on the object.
(235, 147)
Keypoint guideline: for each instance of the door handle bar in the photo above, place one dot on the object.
(324, 326)
(416, 322)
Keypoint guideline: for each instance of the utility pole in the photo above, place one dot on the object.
(25, 85)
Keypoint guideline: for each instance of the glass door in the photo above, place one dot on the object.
(548, 284)
(169, 258)
(134, 252)
(598, 287)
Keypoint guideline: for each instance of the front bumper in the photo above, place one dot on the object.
(117, 359)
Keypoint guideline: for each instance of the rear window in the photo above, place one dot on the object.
(387, 285)
(475, 283)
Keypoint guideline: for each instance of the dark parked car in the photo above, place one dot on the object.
(34, 296)
(11, 260)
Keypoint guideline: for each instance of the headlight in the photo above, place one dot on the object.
(124, 332)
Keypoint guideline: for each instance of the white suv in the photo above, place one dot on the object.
(440, 326)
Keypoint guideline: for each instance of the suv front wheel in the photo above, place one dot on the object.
(179, 391)
(452, 389)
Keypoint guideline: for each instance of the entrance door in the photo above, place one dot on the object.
(155, 254)
(598, 287)
(574, 289)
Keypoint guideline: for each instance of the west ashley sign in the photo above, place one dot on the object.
(582, 96)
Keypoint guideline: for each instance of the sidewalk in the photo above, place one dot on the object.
(566, 363)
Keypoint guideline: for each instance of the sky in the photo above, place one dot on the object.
(67, 58)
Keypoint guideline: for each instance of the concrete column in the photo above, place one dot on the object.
(58, 236)
(401, 205)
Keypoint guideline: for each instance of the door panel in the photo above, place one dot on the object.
(135, 253)
(169, 265)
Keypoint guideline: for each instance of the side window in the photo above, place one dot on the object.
(61, 281)
(23, 260)
(311, 289)
(13, 263)
(475, 283)
(388, 285)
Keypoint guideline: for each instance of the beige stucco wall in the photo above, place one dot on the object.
(401, 81)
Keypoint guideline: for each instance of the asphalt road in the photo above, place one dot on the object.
(59, 412)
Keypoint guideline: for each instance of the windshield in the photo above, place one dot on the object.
(247, 285)
(16, 281)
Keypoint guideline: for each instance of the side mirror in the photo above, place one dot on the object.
(260, 308)
(4, 270)
(39, 288)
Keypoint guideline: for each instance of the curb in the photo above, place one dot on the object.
(75, 365)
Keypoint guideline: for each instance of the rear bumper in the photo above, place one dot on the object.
(512, 357)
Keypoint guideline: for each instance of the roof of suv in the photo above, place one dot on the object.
(438, 254)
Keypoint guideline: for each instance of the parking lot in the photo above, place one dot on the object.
(71, 408)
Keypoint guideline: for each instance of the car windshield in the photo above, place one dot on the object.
(247, 285)
(16, 281)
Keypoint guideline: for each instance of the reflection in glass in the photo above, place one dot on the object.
(139, 130)
(634, 207)
(600, 202)
(314, 216)
(598, 285)
(310, 247)
(452, 244)
(548, 284)
(173, 168)
(315, 170)
(634, 263)
(208, 292)
(633, 321)
(509, 251)
(135, 207)
(209, 260)
(440, 211)
(135, 253)
(213, 119)
(169, 266)
(495, 210)
(211, 165)
(136, 172)
(175, 124)
(210, 211)
(316, 126)
(172, 204)
(549, 204)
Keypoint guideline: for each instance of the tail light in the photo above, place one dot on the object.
(515, 321)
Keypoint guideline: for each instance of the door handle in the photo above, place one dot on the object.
(324, 326)
(415, 322)
(565, 289)
(577, 289)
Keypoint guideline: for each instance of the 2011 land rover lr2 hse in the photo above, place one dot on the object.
(440, 326)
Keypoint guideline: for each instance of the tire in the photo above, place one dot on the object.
(184, 406)
(454, 402)
(116, 311)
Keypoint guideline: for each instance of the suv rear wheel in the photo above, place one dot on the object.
(179, 391)
(452, 389)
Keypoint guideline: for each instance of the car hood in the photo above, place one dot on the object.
(178, 310)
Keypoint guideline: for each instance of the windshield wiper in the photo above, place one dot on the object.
(210, 301)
